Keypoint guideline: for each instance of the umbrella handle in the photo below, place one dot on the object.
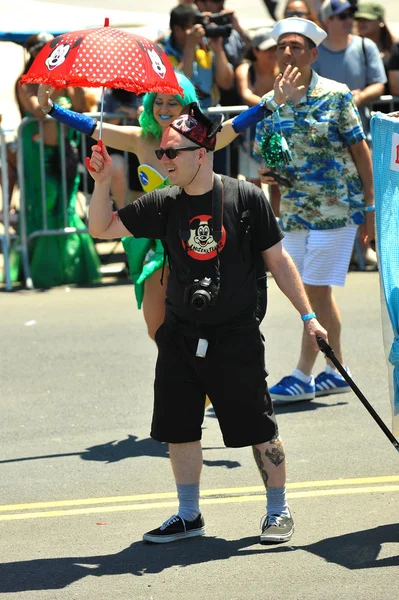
(88, 167)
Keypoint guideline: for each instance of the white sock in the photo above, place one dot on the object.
(331, 371)
(302, 377)
(188, 495)
(277, 502)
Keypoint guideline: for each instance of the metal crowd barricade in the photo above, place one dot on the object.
(227, 111)
(25, 238)
(5, 237)
(124, 120)
(386, 100)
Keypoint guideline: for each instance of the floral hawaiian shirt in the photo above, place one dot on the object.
(326, 192)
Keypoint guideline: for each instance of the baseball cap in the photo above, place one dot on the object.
(297, 25)
(370, 11)
(329, 8)
(262, 39)
(38, 41)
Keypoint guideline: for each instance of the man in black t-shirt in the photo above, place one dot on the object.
(210, 342)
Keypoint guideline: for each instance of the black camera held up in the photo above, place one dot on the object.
(215, 24)
(201, 293)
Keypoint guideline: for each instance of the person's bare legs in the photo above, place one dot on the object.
(270, 460)
(324, 305)
(278, 525)
(186, 462)
(154, 301)
(334, 331)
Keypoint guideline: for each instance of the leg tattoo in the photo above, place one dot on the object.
(276, 453)
(259, 462)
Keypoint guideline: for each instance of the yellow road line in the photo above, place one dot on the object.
(213, 492)
(205, 501)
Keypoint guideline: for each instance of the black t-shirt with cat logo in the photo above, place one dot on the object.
(158, 215)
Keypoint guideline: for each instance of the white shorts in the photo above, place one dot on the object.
(321, 255)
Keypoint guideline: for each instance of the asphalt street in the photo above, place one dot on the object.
(81, 480)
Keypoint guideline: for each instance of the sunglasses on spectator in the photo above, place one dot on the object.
(172, 153)
(347, 14)
(296, 13)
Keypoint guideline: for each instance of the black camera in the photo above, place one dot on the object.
(215, 25)
(201, 293)
(215, 31)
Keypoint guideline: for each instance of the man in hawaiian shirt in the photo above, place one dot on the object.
(328, 194)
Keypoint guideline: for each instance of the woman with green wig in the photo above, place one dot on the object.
(146, 256)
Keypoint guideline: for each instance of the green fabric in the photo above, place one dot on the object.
(136, 250)
(54, 260)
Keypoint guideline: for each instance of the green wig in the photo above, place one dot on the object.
(148, 123)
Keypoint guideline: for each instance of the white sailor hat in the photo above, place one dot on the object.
(301, 26)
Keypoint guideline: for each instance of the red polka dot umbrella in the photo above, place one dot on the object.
(104, 57)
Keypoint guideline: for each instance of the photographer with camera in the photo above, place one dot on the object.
(235, 46)
(237, 41)
(213, 229)
(202, 59)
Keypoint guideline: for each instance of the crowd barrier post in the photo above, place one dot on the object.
(5, 237)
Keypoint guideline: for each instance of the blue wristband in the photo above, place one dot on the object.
(249, 117)
(309, 316)
(369, 208)
(77, 121)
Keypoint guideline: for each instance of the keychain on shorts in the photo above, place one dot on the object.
(202, 348)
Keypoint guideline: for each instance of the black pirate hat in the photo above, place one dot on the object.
(197, 127)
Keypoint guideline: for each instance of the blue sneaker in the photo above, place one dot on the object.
(292, 389)
(328, 383)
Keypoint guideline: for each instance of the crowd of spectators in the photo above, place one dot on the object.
(230, 65)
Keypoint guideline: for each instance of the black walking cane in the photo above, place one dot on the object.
(329, 352)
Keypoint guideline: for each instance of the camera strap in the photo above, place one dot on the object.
(217, 225)
(217, 209)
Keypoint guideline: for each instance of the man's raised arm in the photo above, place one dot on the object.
(103, 222)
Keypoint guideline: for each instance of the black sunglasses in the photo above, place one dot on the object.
(173, 152)
(347, 14)
(296, 13)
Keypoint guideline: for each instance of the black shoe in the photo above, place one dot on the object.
(176, 528)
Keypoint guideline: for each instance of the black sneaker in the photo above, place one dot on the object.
(176, 528)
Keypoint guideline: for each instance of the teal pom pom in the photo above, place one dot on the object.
(274, 150)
